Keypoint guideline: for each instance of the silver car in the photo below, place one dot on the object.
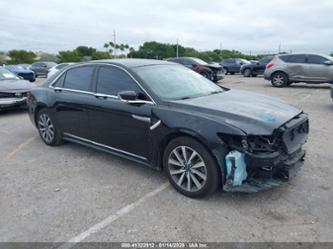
(286, 69)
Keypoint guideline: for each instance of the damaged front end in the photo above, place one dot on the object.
(257, 162)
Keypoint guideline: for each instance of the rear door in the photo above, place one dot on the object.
(116, 124)
(73, 97)
(318, 70)
(297, 67)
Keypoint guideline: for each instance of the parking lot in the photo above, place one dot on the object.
(73, 193)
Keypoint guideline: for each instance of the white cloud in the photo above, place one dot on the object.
(245, 25)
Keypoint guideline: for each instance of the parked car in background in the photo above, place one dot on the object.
(233, 65)
(13, 90)
(168, 117)
(42, 68)
(286, 69)
(210, 71)
(58, 67)
(25, 66)
(26, 74)
(253, 69)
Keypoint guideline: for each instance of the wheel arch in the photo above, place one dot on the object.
(279, 71)
(191, 134)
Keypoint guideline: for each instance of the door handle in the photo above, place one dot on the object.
(57, 89)
(99, 95)
(141, 118)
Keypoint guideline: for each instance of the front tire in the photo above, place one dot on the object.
(48, 132)
(206, 75)
(247, 72)
(279, 79)
(190, 167)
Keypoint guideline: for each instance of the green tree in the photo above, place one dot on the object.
(154, 50)
(21, 56)
(85, 51)
(99, 55)
(69, 56)
(47, 57)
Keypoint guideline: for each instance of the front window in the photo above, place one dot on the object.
(199, 61)
(7, 75)
(172, 82)
(111, 81)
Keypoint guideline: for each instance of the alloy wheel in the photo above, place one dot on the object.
(46, 128)
(278, 80)
(187, 168)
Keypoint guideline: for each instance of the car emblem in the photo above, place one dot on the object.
(18, 94)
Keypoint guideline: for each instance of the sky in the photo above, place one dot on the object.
(255, 26)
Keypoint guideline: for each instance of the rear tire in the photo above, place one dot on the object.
(48, 131)
(232, 73)
(190, 167)
(279, 79)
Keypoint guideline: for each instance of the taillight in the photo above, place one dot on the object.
(269, 65)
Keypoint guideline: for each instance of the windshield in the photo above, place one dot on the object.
(7, 75)
(173, 82)
(199, 61)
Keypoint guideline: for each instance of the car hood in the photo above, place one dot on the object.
(214, 67)
(15, 85)
(253, 113)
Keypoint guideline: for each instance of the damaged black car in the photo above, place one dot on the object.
(163, 115)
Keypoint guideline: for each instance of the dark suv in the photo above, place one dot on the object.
(256, 68)
(210, 71)
(42, 67)
(233, 65)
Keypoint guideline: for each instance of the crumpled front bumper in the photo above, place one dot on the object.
(268, 172)
(12, 102)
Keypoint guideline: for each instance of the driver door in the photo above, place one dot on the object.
(120, 126)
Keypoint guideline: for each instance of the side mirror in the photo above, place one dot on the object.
(328, 63)
(130, 97)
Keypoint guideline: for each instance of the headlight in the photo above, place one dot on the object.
(235, 141)
(253, 144)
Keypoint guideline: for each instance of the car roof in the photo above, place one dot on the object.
(131, 63)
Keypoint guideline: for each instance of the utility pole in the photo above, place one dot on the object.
(115, 41)
(279, 47)
(221, 49)
(177, 49)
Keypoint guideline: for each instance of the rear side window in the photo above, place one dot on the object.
(79, 78)
(296, 59)
(316, 59)
(59, 82)
(112, 80)
(284, 58)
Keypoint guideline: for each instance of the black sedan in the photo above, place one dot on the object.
(26, 74)
(13, 90)
(170, 118)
